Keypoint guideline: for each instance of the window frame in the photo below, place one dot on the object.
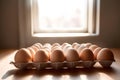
(27, 37)
(92, 29)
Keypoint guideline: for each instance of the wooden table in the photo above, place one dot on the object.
(9, 72)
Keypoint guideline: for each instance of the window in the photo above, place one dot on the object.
(64, 17)
(31, 30)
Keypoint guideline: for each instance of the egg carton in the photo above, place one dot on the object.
(60, 65)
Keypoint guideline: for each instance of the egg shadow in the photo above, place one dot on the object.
(37, 74)
(18, 73)
(72, 73)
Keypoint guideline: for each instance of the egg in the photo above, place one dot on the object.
(105, 54)
(35, 48)
(93, 47)
(77, 46)
(64, 44)
(95, 52)
(23, 56)
(74, 44)
(41, 56)
(86, 55)
(47, 49)
(66, 47)
(55, 44)
(47, 45)
(79, 49)
(56, 47)
(57, 56)
(72, 55)
(32, 52)
(87, 45)
(38, 45)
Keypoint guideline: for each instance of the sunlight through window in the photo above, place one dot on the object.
(54, 18)
(62, 15)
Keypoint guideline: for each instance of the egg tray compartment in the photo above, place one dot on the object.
(60, 65)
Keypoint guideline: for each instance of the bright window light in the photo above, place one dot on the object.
(59, 17)
(62, 15)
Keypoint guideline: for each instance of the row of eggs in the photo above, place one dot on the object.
(65, 52)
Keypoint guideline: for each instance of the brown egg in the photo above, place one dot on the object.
(79, 49)
(47, 49)
(72, 55)
(77, 46)
(32, 52)
(95, 52)
(56, 47)
(38, 45)
(35, 48)
(86, 55)
(41, 56)
(74, 44)
(64, 44)
(23, 56)
(93, 47)
(47, 45)
(57, 56)
(55, 44)
(66, 47)
(105, 54)
(87, 45)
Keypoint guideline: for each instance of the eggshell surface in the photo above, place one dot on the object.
(72, 55)
(105, 54)
(93, 47)
(41, 56)
(86, 55)
(57, 56)
(23, 56)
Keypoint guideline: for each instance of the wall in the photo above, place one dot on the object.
(109, 26)
(8, 24)
(110, 23)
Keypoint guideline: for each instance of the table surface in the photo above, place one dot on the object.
(9, 72)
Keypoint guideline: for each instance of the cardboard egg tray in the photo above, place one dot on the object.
(60, 65)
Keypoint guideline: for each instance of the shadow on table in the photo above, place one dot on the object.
(37, 74)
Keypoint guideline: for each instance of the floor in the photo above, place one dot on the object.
(9, 72)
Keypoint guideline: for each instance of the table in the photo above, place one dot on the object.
(9, 72)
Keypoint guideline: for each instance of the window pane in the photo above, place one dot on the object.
(62, 15)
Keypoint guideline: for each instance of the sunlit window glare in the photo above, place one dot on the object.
(62, 15)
